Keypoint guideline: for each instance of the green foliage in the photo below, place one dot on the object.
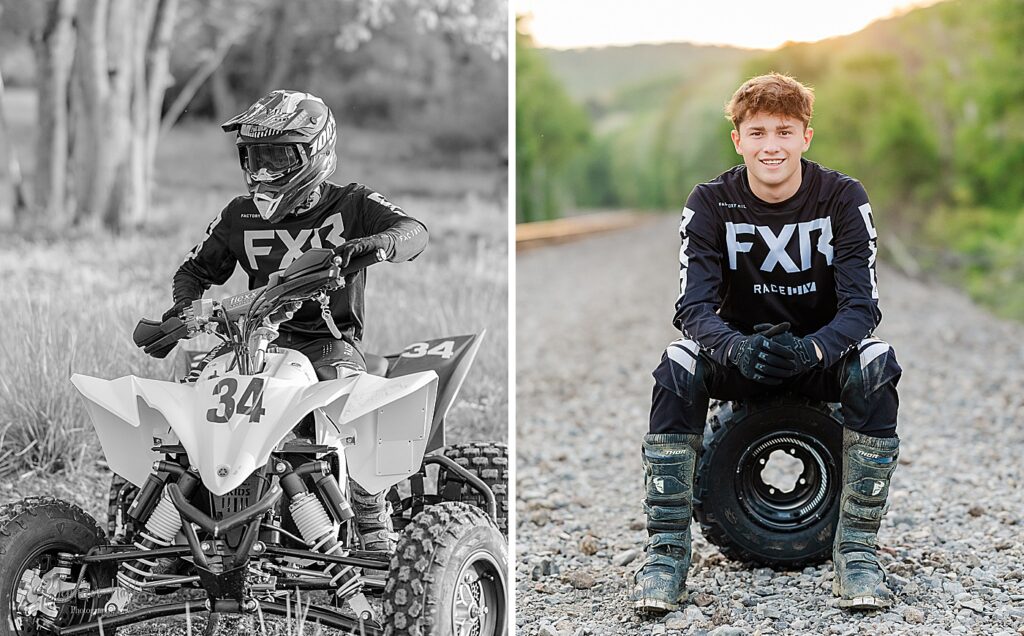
(550, 129)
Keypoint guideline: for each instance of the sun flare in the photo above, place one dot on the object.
(565, 24)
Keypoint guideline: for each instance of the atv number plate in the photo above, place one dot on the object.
(250, 403)
(444, 349)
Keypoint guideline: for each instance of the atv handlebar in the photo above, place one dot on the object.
(310, 276)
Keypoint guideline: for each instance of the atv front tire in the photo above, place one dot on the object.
(32, 533)
(749, 516)
(448, 575)
(489, 462)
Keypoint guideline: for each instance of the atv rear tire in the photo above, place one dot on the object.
(489, 462)
(448, 575)
(32, 533)
(758, 521)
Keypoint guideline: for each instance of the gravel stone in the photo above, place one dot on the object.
(593, 318)
(624, 558)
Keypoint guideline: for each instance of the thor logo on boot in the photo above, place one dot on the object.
(777, 244)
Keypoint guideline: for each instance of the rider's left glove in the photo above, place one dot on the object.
(175, 311)
(357, 247)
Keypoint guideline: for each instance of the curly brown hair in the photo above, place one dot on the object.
(774, 94)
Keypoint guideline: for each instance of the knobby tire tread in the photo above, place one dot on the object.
(489, 462)
(410, 595)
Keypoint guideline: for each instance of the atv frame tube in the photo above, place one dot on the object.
(477, 483)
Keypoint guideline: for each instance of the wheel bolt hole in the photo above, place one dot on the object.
(782, 471)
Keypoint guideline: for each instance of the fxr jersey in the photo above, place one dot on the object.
(808, 260)
(239, 235)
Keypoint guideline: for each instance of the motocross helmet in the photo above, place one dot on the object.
(286, 148)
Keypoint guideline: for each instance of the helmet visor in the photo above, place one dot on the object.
(272, 160)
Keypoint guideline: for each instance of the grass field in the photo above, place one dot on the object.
(70, 302)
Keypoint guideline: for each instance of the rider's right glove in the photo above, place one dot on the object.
(175, 311)
(761, 360)
(356, 247)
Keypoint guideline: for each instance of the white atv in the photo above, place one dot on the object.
(215, 491)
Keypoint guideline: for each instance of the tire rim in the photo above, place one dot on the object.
(29, 578)
(29, 581)
(812, 494)
(479, 597)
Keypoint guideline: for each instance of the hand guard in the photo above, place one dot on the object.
(360, 246)
(761, 359)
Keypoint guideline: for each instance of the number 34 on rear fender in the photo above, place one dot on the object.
(249, 403)
(444, 349)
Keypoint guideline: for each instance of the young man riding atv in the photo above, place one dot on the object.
(778, 293)
(286, 148)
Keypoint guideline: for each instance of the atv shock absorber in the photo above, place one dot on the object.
(159, 532)
(316, 528)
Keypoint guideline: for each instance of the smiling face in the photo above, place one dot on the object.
(771, 146)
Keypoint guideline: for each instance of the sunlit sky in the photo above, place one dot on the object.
(567, 24)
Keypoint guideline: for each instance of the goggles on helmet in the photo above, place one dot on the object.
(266, 162)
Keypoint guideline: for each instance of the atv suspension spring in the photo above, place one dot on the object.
(160, 531)
(311, 518)
(317, 531)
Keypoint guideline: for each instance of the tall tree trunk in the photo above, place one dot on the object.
(97, 142)
(158, 78)
(122, 76)
(13, 165)
(54, 45)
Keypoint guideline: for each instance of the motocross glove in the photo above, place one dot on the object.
(805, 355)
(366, 245)
(761, 359)
(175, 311)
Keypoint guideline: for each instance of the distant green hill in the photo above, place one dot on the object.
(599, 74)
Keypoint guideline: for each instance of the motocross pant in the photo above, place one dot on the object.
(330, 357)
(863, 381)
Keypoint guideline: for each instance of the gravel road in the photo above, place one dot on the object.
(592, 320)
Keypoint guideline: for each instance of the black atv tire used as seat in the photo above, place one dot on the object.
(776, 517)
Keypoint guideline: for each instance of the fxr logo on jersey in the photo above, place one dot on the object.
(777, 244)
(263, 242)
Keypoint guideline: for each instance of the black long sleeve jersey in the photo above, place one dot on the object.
(239, 235)
(808, 260)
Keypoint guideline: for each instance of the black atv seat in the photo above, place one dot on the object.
(377, 365)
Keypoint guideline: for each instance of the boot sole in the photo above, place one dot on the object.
(859, 602)
(650, 606)
(656, 607)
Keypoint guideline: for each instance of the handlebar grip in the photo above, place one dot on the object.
(364, 261)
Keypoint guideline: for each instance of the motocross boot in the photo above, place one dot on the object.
(373, 519)
(868, 464)
(669, 464)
